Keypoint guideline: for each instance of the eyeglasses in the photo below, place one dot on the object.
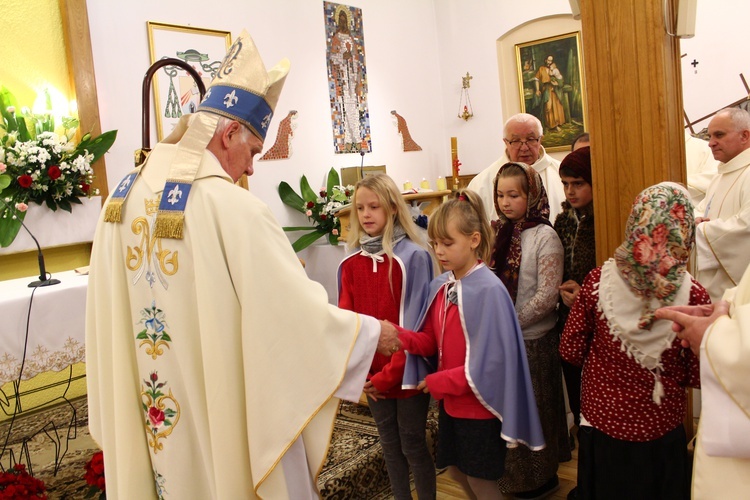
(517, 143)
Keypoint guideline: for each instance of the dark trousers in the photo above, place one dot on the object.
(402, 427)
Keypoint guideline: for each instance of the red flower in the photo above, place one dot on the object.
(678, 212)
(95, 471)
(85, 187)
(156, 416)
(659, 234)
(310, 204)
(154, 377)
(17, 484)
(25, 181)
(54, 172)
(643, 250)
(323, 217)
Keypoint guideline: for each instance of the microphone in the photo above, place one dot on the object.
(43, 280)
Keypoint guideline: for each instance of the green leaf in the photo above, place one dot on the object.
(9, 228)
(307, 240)
(98, 146)
(142, 336)
(307, 192)
(296, 228)
(333, 240)
(4, 181)
(333, 180)
(165, 336)
(290, 198)
(65, 205)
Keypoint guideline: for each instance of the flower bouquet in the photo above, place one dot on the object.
(17, 484)
(320, 208)
(40, 166)
(95, 477)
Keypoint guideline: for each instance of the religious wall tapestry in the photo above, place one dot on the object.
(551, 83)
(175, 91)
(347, 78)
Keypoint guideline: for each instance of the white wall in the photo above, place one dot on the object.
(402, 67)
(720, 47)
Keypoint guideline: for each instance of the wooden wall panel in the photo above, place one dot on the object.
(633, 81)
(81, 63)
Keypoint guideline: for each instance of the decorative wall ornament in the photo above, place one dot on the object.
(282, 147)
(407, 143)
(347, 78)
(465, 110)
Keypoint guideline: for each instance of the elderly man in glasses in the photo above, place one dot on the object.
(522, 135)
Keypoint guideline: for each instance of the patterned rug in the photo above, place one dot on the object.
(354, 467)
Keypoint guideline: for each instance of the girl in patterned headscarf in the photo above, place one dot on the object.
(634, 368)
(528, 259)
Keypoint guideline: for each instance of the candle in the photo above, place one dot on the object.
(407, 186)
(454, 157)
(442, 185)
(425, 184)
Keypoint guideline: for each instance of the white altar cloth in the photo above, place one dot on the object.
(56, 325)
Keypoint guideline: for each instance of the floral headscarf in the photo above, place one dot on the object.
(658, 237)
(506, 255)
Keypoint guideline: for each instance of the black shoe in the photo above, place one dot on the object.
(543, 491)
(573, 494)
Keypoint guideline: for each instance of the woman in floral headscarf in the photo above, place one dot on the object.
(632, 442)
(528, 259)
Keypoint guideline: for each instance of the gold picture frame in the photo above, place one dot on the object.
(175, 92)
(551, 86)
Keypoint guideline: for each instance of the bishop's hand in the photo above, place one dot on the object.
(388, 343)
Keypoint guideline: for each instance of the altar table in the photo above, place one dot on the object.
(56, 326)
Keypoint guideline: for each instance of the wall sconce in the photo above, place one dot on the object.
(464, 104)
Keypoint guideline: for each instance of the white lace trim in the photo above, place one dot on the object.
(40, 359)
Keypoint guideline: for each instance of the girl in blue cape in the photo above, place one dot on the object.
(388, 278)
(477, 367)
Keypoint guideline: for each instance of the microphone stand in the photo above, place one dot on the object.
(43, 279)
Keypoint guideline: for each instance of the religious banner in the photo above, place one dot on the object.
(347, 78)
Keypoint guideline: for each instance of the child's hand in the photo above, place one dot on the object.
(423, 387)
(569, 292)
(372, 392)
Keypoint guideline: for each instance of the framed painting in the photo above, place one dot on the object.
(550, 80)
(175, 92)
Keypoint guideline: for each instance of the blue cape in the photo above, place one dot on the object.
(496, 366)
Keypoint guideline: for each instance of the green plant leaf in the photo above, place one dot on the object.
(333, 240)
(4, 181)
(307, 192)
(9, 228)
(98, 146)
(333, 180)
(290, 198)
(296, 228)
(308, 239)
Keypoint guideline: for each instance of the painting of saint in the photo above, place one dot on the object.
(551, 85)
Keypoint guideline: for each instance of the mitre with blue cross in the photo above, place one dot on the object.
(242, 90)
